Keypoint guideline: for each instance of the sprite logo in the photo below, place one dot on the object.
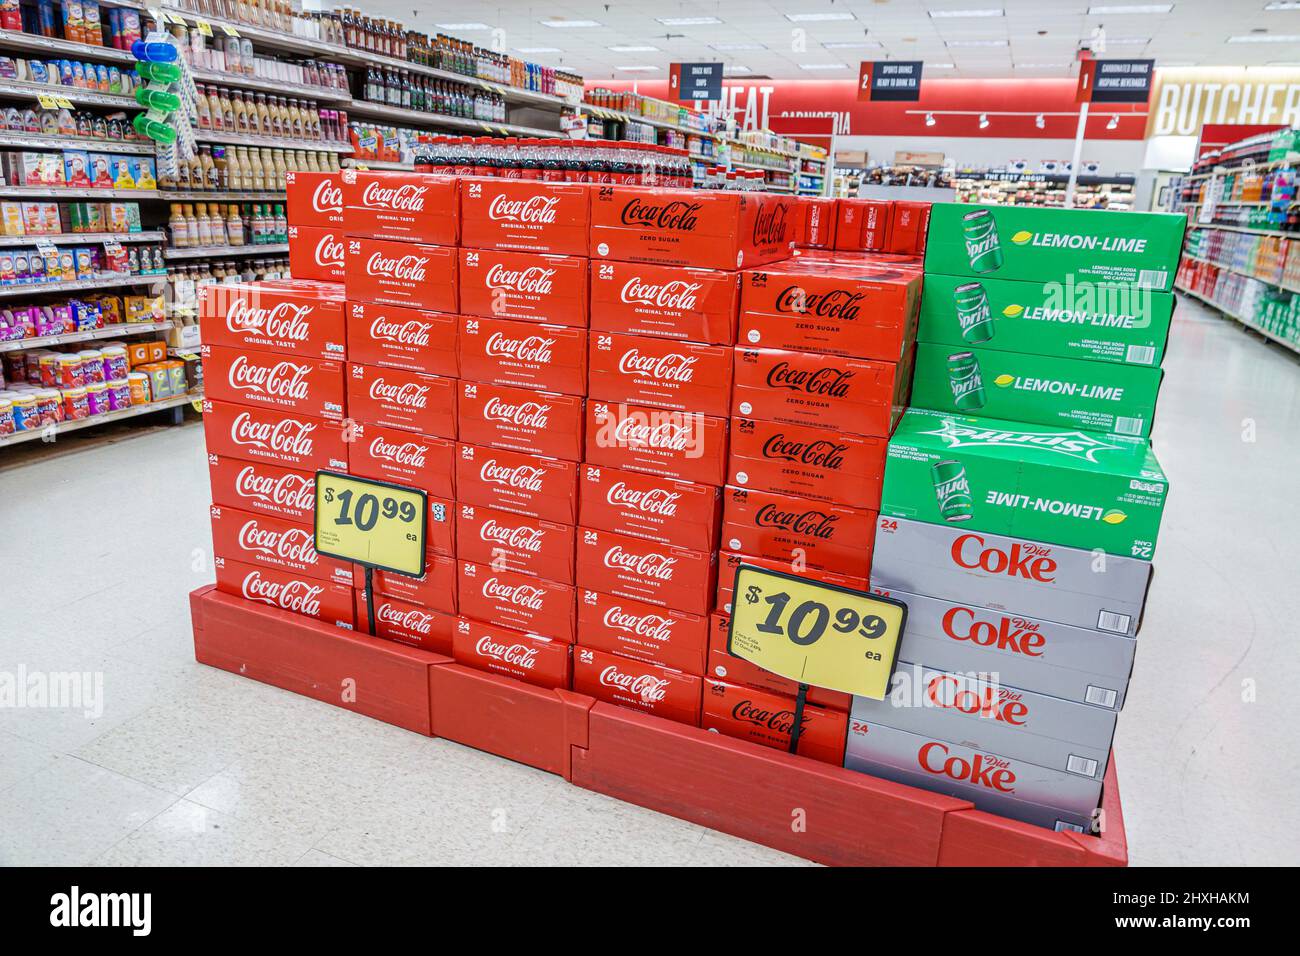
(1070, 444)
(1022, 237)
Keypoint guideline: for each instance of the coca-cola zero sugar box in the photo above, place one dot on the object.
(863, 224)
(263, 488)
(407, 622)
(530, 658)
(908, 224)
(316, 253)
(815, 463)
(669, 302)
(722, 665)
(522, 602)
(729, 563)
(435, 589)
(820, 535)
(644, 632)
(271, 380)
(327, 601)
(524, 286)
(684, 376)
(550, 358)
(403, 457)
(397, 337)
(413, 207)
(412, 274)
(314, 199)
(681, 513)
(513, 542)
(768, 719)
(259, 434)
(651, 688)
(523, 420)
(397, 398)
(646, 571)
(686, 446)
(267, 541)
(513, 481)
(525, 215)
(296, 319)
(819, 222)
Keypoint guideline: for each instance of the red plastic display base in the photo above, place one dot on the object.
(803, 807)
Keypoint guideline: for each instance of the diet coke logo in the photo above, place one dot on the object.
(650, 565)
(812, 523)
(408, 197)
(981, 700)
(532, 415)
(409, 332)
(410, 454)
(535, 210)
(521, 538)
(652, 501)
(1030, 561)
(284, 321)
(410, 619)
(828, 382)
(521, 477)
(530, 348)
(534, 280)
(677, 295)
(329, 252)
(673, 367)
(652, 626)
(645, 687)
(327, 196)
(982, 770)
(294, 595)
(282, 380)
(297, 492)
(820, 453)
(1016, 635)
(527, 596)
(286, 436)
(410, 395)
(835, 304)
(517, 655)
(294, 545)
(408, 268)
(677, 215)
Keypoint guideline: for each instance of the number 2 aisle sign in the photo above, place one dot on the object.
(373, 523)
(816, 633)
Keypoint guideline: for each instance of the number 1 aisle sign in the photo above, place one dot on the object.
(816, 634)
(373, 523)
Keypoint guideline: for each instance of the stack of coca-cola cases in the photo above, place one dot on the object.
(612, 395)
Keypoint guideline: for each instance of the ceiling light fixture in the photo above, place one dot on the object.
(818, 17)
(975, 42)
(1282, 5)
(822, 66)
(559, 24)
(730, 47)
(633, 49)
(736, 69)
(538, 49)
(984, 121)
(1109, 9)
(853, 45)
(637, 69)
(1128, 41)
(688, 21)
(958, 14)
(1265, 38)
(462, 26)
(1042, 66)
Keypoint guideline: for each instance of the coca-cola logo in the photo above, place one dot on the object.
(294, 545)
(652, 501)
(524, 414)
(280, 380)
(678, 215)
(411, 619)
(829, 382)
(770, 224)
(289, 490)
(678, 295)
(520, 477)
(301, 597)
(833, 304)
(286, 436)
(534, 280)
(519, 537)
(410, 454)
(517, 655)
(408, 197)
(1016, 635)
(535, 349)
(411, 332)
(329, 252)
(981, 700)
(655, 627)
(1021, 560)
(673, 367)
(535, 210)
(779, 721)
(812, 523)
(669, 434)
(649, 564)
(645, 687)
(408, 268)
(327, 197)
(982, 770)
(285, 321)
(821, 453)
(410, 395)
(527, 596)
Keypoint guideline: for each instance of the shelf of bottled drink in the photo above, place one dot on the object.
(223, 251)
(1236, 317)
(320, 93)
(366, 108)
(73, 94)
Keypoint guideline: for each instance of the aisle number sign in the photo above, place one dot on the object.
(373, 523)
(816, 634)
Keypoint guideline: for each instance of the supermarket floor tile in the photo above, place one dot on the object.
(180, 763)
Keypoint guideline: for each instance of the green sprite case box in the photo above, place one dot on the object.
(1102, 322)
(1036, 244)
(1055, 485)
(1067, 393)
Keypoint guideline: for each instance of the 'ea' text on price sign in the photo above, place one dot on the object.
(816, 633)
(371, 522)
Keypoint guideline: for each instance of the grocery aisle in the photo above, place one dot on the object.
(191, 765)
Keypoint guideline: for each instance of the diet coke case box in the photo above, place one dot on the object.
(807, 462)
(270, 542)
(412, 207)
(644, 632)
(294, 319)
(327, 601)
(314, 199)
(859, 396)
(263, 488)
(863, 224)
(523, 420)
(407, 622)
(273, 381)
(258, 434)
(646, 571)
(683, 376)
(316, 253)
(667, 302)
(525, 215)
(512, 542)
(1072, 663)
(524, 286)
(690, 227)
(396, 398)
(403, 458)
(530, 658)
(722, 665)
(549, 358)
(662, 691)
(826, 537)
(680, 513)
(412, 274)
(521, 602)
(1029, 578)
(768, 719)
(657, 441)
(729, 563)
(435, 589)
(397, 337)
(525, 484)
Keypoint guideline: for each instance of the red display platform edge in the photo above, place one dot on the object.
(809, 809)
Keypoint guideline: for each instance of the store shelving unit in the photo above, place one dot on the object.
(15, 140)
(72, 286)
(90, 335)
(81, 238)
(1044, 189)
(220, 252)
(176, 405)
(1241, 319)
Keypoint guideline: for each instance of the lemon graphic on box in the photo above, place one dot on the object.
(1004, 381)
(1023, 236)
(1013, 310)
(1114, 516)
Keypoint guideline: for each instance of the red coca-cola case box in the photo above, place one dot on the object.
(398, 337)
(657, 441)
(767, 719)
(690, 227)
(513, 542)
(908, 225)
(412, 207)
(297, 319)
(662, 691)
(859, 396)
(523, 420)
(316, 253)
(530, 658)
(407, 622)
(549, 358)
(397, 398)
(643, 632)
(269, 542)
(524, 286)
(545, 488)
(412, 274)
(522, 602)
(259, 434)
(404, 458)
(824, 537)
(809, 462)
(525, 215)
(646, 571)
(820, 222)
(435, 589)
(729, 562)
(326, 601)
(865, 313)
(263, 488)
(667, 302)
(270, 380)
(680, 513)
(863, 224)
(684, 376)
(723, 665)
(314, 199)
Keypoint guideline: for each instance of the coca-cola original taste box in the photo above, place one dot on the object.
(414, 207)
(397, 398)
(292, 317)
(525, 286)
(260, 434)
(316, 253)
(314, 199)
(651, 688)
(530, 658)
(263, 488)
(551, 358)
(407, 622)
(267, 541)
(402, 273)
(514, 481)
(274, 381)
(435, 589)
(327, 601)
(645, 632)
(523, 602)
(523, 420)
(686, 446)
(525, 215)
(646, 571)
(513, 542)
(670, 302)
(681, 513)
(684, 376)
(397, 337)
(403, 457)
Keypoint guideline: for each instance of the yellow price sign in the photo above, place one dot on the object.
(205, 28)
(63, 102)
(47, 102)
(374, 523)
(229, 30)
(816, 634)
